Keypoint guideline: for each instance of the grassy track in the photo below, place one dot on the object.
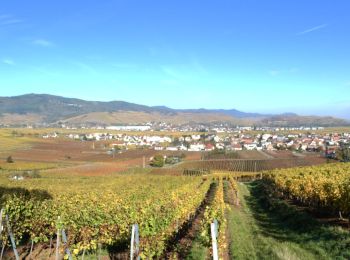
(259, 230)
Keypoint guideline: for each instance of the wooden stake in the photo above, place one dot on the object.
(214, 242)
(1, 221)
(99, 251)
(2, 249)
(12, 238)
(83, 256)
(58, 242)
(31, 248)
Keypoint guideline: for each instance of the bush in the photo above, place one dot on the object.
(9, 159)
(158, 161)
(172, 160)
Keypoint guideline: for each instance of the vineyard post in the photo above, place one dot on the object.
(1, 225)
(255, 167)
(1, 229)
(31, 248)
(99, 251)
(12, 238)
(83, 256)
(237, 200)
(135, 241)
(2, 249)
(214, 234)
(216, 227)
(64, 240)
(58, 241)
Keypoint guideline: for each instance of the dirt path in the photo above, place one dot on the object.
(179, 246)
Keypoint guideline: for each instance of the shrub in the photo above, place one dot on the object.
(158, 161)
(9, 159)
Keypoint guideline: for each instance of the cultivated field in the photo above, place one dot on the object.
(95, 197)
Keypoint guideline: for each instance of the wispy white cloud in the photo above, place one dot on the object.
(121, 65)
(4, 16)
(8, 62)
(43, 43)
(46, 71)
(198, 67)
(316, 28)
(293, 70)
(11, 21)
(85, 67)
(276, 72)
(194, 67)
(6, 19)
(171, 72)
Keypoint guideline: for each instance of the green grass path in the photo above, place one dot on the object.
(259, 232)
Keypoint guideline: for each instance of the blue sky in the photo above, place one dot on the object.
(255, 56)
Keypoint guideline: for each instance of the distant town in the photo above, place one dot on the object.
(221, 137)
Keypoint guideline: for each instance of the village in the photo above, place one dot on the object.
(235, 139)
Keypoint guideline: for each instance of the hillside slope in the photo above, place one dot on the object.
(43, 108)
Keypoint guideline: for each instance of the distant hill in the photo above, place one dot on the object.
(295, 120)
(43, 108)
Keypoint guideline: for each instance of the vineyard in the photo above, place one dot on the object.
(250, 165)
(99, 211)
(325, 187)
(220, 154)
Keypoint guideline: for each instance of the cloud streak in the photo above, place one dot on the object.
(43, 43)
(316, 28)
(85, 67)
(276, 72)
(8, 62)
(6, 19)
(169, 71)
(124, 65)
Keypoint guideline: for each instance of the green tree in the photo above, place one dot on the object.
(343, 153)
(158, 161)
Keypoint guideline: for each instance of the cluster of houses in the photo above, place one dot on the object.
(228, 141)
(296, 142)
